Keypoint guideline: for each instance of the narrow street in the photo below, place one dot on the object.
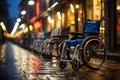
(17, 63)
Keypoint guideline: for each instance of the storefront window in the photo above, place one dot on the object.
(95, 11)
(118, 22)
(70, 19)
(63, 19)
(74, 17)
(57, 19)
(80, 18)
(49, 23)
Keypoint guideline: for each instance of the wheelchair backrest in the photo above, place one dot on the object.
(91, 26)
(65, 31)
(56, 32)
(47, 34)
(40, 35)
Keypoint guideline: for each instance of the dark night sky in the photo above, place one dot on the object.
(13, 12)
(13, 8)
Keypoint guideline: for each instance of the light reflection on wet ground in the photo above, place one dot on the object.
(21, 64)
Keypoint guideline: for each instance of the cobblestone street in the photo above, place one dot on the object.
(20, 64)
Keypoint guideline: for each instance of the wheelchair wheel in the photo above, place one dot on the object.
(75, 65)
(55, 51)
(49, 51)
(44, 55)
(64, 56)
(41, 48)
(62, 64)
(94, 53)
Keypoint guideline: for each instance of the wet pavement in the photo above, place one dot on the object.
(17, 63)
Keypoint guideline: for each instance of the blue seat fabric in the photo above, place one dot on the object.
(73, 42)
(47, 34)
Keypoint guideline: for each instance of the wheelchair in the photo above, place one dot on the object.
(36, 42)
(46, 35)
(54, 44)
(45, 44)
(85, 48)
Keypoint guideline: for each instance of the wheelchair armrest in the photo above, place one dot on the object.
(92, 33)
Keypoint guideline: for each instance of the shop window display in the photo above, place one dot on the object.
(118, 22)
(95, 11)
(74, 17)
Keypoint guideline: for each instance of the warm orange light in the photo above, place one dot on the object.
(77, 6)
(59, 15)
(25, 30)
(72, 8)
(32, 20)
(18, 34)
(49, 19)
(7, 35)
(118, 26)
(3, 26)
(30, 27)
(37, 25)
(37, 8)
(118, 7)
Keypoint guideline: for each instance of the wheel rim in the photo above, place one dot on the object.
(94, 54)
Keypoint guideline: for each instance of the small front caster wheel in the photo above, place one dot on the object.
(62, 64)
(75, 65)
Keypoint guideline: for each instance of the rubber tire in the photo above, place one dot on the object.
(86, 59)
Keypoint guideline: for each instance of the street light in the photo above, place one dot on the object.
(31, 2)
(3, 26)
(55, 4)
(49, 19)
(118, 7)
(23, 12)
(59, 15)
(77, 6)
(72, 8)
(18, 19)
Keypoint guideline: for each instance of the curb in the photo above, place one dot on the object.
(114, 57)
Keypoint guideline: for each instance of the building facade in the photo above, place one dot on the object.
(73, 13)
